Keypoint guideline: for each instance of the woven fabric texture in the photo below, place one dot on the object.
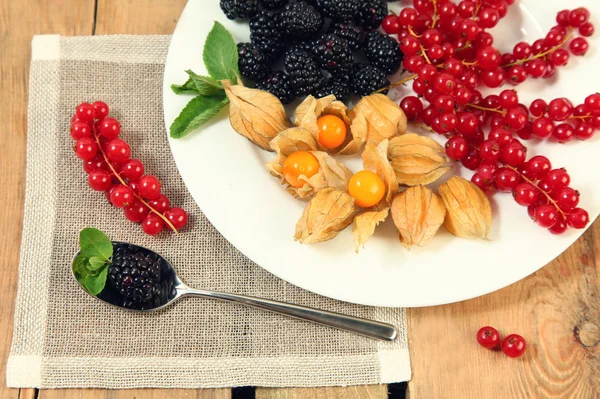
(65, 338)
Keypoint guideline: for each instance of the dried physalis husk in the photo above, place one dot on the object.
(328, 213)
(377, 118)
(364, 226)
(331, 172)
(469, 214)
(255, 114)
(375, 159)
(311, 109)
(418, 214)
(417, 159)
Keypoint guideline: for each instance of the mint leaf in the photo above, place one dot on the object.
(205, 85)
(93, 242)
(79, 267)
(95, 284)
(196, 113)
(220, 54)
(187, 88)
(95, 263)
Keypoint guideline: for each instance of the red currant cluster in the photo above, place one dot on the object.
(450, 54)
(513, 345)
(107, 161)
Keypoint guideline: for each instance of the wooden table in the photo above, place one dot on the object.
(556, 309)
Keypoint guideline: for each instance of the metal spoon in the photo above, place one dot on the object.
(173, 289)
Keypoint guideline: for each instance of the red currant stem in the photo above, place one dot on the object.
(487, 109)
(126, 185)
(434, 18)
(541, 55)
(479, 3)
(424, 53)
(463, 48)
(548, 197)
(581, 117)
(398, 83)
(412, 32)
(469, 64)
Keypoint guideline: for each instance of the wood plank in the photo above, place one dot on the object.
(135, 393)
(353, 392)
(28, 393)
(19, 21)
(556, 310)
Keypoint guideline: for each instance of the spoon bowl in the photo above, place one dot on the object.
(173, 288)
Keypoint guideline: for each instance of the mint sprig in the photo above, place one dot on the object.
(221, 61)
(90, 266)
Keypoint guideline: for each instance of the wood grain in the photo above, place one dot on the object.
(135, 393)
(19, 21)
(555, 309)
(355, 392)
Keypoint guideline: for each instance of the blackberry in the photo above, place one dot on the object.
(273, 4)
(303, 72)
(239, 9)
(368, 79)
(339, 86)
(266, 33)
(277, 84)
(253, 64)
(301, 20)
(136, 274)
(371, 13)
(383, 52)
(333, 53)
(354, 34)
(338, 9)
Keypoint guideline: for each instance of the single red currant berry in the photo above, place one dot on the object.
(567, 198)
(160, 204)
(99, 180)
(538, 107)
(94, 164)
(488, 337)
(516, 118)
(494, 78)
(563, 132)
(149, 187)
(132, 169)
(412, 107)
(80, 130)
(472, 160)
(538, 167)
(584, 131)
(480, 182)
(177, 216)
(508, 99)
(560, 57)
(408, 16)
(560, 227)
(153, 224)
(489, 58)
(546, 216)
(487, 171)
(85, 112)
(522, 50)
(489, 151)
(100, 109)
(501, 136)
(514, 154)
(431, 37)
(492, 101)
(578, 218)
(513, 345)
(488, 17)
(391, 24)
(556, 179)
(579, 46)
(550, 70)
(445, 83)
(462, 95)
(110, 128)
(118, 150)
(562, 18)
(516, 74)
(413, 63)
(86, 148)
(592, 102)
(448, 122)
(536, 68)
(542, 127)
(469, 29)
(467, 123)
(560, 109)
(578, 17)
(526, 194)
(121, 196)
(469, 79)
(507, 179)
(526, 133)
(586, 29)
(457, 147)
(136, 212)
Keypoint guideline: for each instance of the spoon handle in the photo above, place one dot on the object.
(365, 327)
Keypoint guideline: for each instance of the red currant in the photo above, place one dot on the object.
(100, 109)
(555, 180)
(501, 136)
(85, 112)
(488, 18)
(578, 218)
(487, 171)
(538, 107)
(136, 212)
(526, 194)
(567, 198)
(489, 150)
(408, 16)
(516, 118)
(592, 102)
(445, 83)
(513, 345)
(99, 180)
(457, 148)
(494, 78)
(109, 128)
(153, 224)
(86, 148)
(578, 17)
(80, 130)
(160, 204)
(410, 45)
(538, 167)
(542, 127)
(507, 179)
(488, 58)
(563, 132)
(132, 169)
(514, 154)
(472, 160)
(546, 216)
(121, 196)
(149, 187)
(579, 46)
(583, 131)
(559, 227)
(560, 109)
(516, 74)
(488, 337)
(117, 150)
(391, 24)
(480, 182)
(586, 29)
(177, 216)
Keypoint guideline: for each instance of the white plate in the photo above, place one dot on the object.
(225, 175)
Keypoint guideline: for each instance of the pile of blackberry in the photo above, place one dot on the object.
(138, 276)
(318, 42)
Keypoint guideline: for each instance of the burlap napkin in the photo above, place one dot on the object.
(64, 338)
